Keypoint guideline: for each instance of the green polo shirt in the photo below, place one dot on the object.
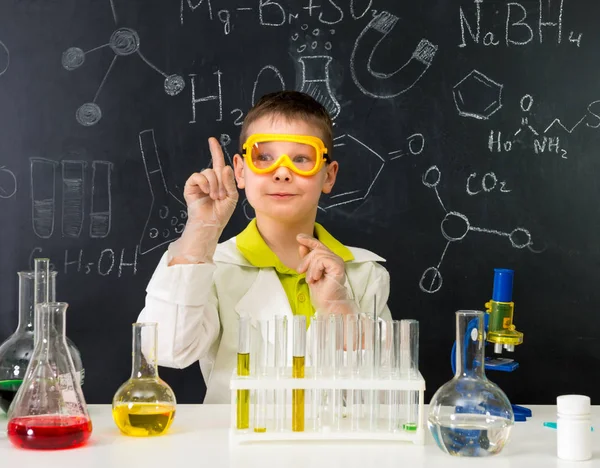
(254, 248)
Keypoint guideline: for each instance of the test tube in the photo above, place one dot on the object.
(397, 394)
(280, 368)
(352, 364)
(374, 398)
(388, 369)
(299, 352)
(318, 340)
(335, 344)
(243, 369)
(369, 369)
(262, 360)
(409, 330)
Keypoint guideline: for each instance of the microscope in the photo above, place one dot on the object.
(500, 331)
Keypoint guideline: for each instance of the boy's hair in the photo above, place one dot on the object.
(291, 105)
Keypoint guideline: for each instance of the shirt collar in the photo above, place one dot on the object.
(254, 248)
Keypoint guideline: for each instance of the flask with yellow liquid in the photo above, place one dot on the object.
(144, 405)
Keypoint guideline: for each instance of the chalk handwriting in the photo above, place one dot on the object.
(213, 97)
(455, 226)
(386, 85)
(271, 13)
(488, 183)
(521, 25)
(107, 262)
(415, 146)
(541, 141)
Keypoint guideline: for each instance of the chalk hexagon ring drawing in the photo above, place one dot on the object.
(477, 96)
(354, 189)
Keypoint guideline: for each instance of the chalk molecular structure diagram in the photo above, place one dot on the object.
(431, 279)
(123, 42)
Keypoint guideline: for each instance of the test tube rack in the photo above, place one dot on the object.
(357, 377)
(371, 408)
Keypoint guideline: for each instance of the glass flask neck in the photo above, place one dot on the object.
(50, 324)
(469, 344)
(144, 364)
(27, 301)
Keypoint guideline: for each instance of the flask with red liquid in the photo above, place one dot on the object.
(49, 411)
(16, 351)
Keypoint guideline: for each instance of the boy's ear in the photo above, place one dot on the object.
(331, 171)
(238, 169)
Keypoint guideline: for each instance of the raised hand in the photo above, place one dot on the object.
(211, 197)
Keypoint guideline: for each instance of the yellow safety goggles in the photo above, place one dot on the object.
(265, 152)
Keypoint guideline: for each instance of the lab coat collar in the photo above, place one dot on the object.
(227, 252)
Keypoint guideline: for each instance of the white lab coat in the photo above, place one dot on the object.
(197, 308)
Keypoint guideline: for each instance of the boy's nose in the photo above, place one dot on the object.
(282, 174)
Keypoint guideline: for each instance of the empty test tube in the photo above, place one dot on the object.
(335, 345)
(369, 368)
(262, 361)
(409, 366)
(317, 355)
(396, 395)
(353, 348)
(298, 356)
(388, 370)
(243, 369)
(280, 369)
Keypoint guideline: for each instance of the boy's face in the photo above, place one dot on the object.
(283, 194)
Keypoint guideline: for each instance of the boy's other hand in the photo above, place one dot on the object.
(211, 196)
(325, 275)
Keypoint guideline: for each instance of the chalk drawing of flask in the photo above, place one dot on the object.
(315, 81)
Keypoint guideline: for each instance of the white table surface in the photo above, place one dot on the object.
(199, 438)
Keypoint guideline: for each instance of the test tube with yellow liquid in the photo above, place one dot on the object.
(144, 405)
(243, 369)
(298, 356)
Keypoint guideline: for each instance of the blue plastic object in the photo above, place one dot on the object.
(521, 413)
(503, 285)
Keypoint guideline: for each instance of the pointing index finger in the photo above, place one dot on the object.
(218, 160)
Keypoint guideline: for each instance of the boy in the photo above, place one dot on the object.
(282, 263)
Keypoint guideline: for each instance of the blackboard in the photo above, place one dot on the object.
(467, 133)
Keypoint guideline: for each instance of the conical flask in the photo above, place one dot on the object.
(49, 411)
(469, 415)
(16, 351)
(144, 405)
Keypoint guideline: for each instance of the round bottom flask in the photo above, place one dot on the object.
(470, 416)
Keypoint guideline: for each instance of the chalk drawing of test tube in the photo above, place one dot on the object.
(43, 196)
(101, 206)
(167, 215)
(73, 177)
(386, 85)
